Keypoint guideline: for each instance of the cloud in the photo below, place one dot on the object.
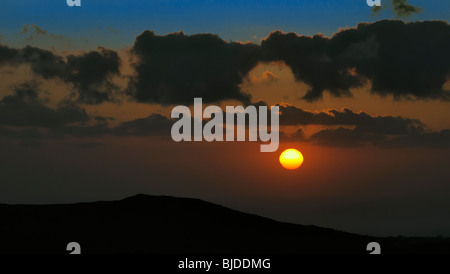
(360, 136)
(266, 77)
(8, 55)
(25, 109)
(114, 31)
(36, 29)
(309, 61)
(83, 131)
(153, 125)
(405, 60)
(291, 115)
(431, 139)
(43, 62)
(28, 133)
(175, 68)
(269, 76)
(361, 129)
(401, 8)
(37, 35)
(344, 137)
(89, 73)
(297, 136)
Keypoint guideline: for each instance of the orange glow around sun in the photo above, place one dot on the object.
(291, 159)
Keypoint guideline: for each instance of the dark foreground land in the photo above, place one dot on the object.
(158, 224)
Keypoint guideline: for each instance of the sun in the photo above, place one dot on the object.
(291, 159)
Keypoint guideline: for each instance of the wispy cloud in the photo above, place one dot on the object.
(401, 8)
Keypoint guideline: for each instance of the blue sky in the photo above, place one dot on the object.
(116, 23)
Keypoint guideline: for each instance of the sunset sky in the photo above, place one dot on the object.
(86, 94)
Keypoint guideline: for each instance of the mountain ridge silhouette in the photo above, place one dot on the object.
(171, 225)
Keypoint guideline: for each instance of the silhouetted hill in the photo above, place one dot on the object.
(158, 224)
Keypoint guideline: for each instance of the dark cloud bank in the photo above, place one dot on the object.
(89, 73)
(405, 60)
(400, 59)
(153, 125)
(359, 129)
(24, 108)
(175, 68)
(353, 129)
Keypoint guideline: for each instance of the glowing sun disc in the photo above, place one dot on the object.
(291, 159)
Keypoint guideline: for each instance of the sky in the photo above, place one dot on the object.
(115, 23)
(86, 94)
